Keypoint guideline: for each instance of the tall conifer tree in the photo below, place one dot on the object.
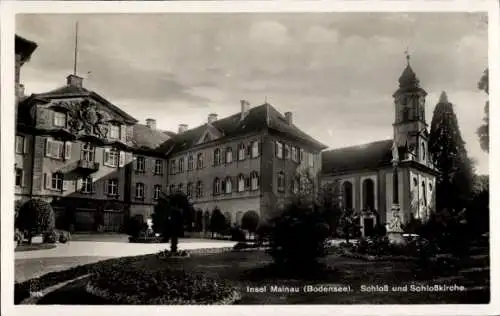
(447, 150)
(484, 130)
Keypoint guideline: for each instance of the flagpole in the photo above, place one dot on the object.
(76, 48)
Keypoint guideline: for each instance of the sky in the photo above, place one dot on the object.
(336, 72)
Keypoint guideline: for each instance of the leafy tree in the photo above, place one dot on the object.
(329, 203)
(36, 216)
(218, 223)
(483, 131)
(447, 150)
(168, 217)
(250, 221)
(348, 225)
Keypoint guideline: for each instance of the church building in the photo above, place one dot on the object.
(390, 176)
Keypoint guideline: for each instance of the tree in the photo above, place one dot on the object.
(36, 216)
(250, 221)
(348, 223)
(218, 222)
(447, 151)
(329, 202)
(168, 217)
(483, 131)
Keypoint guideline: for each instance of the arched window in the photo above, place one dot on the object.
(181, 164)
(190, 163)
(347, 194)
(216, 157)
(423, 151)
(229, 185)
(229, 155)
(369, 194)
(424, 193)
(216, 186)
(241, 152)
(415, 182)
(406, 114)
(254, 180)
(199, 161)
(199, 189)
(281, 181)
(241, 183)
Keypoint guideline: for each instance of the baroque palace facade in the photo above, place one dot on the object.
(98, 166)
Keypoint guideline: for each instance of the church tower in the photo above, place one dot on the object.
(410, 127)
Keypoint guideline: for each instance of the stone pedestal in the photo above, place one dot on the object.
(394, 229)
(396, 238)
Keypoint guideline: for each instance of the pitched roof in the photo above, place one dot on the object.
(257, 119)
(361, 157)
(146, 138)
(69, 91)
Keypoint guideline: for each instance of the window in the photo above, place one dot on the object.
(430, 187)
(229, 155)
(301, 157)
(189, 190)
(217, 157)
(295, 156)
(310, 159)
(369, 194)
(424, 193)
(347, 191)
(294, 186)
(20, 144)
(111, 157)
(157, 191)
(159, 166)
(254, 179)
(241, 183)
(229, 185)
(255, 149)
(199, 189)
(281, 181)
(216, 186)
(140, 164)
(241, 152)
(19, 177)
(139, 190)
(199, 161)
(87, 152)
(279, 150)
(54, 149)
(114, 132)
(181, 165)
(172, 166)
(190, 163)
(180, 187)
(86, 185)
(57, 181)
(59, 119)
(111, 187)
(287, 151)
(171, 189)
(423, 151)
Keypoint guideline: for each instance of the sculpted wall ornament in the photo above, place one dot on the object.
(84, 116)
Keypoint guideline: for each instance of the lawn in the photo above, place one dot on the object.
(252, 269)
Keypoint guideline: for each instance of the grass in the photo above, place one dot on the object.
(253, 269)
(32, 247)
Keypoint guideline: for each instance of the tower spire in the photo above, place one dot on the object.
(76, 48)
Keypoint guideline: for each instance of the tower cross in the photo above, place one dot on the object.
(407, 55)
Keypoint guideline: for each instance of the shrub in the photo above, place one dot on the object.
(135, 225)
(250, 221)
(50, 237)
(218, 222)
(237, 234)
(64, 237)
(36, 216)
(299, 236)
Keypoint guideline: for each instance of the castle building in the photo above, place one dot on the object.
(389, 175)
(98, 166)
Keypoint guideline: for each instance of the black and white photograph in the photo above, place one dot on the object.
(247, 158)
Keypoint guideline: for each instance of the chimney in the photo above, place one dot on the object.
(182, 128)
(74, 80)
(245, 107)
(289, 118)
(151, 123)
(212, 117)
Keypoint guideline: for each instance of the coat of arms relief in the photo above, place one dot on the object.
(84, 116)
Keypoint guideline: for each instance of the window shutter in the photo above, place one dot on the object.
(106, 187)
(79, 185)
(105, 156)
(145, 164)
(47, 153)
(64, 184)
(25, 145)
(67, 150)
(48, 180)
(122, 159)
